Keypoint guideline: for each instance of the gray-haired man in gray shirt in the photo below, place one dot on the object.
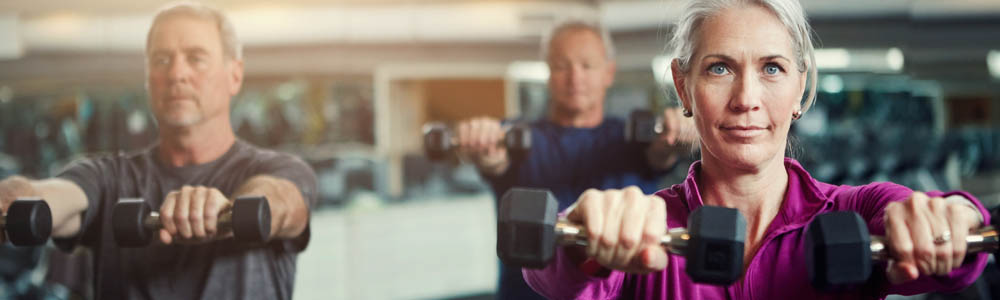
(192, 173)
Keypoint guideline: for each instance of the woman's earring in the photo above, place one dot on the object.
(796, 115)
(687, 113)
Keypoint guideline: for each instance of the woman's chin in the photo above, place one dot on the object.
(745, 157)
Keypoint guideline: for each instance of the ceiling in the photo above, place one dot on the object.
(948, 38)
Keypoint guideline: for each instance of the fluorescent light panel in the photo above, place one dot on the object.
(993, 62)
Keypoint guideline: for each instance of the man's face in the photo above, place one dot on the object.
(580, 72)
(189, 79)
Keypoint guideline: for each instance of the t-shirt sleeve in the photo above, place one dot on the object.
(870, 202)
(91, 175)
(294, 169)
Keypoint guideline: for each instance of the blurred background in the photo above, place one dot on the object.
(908, 92)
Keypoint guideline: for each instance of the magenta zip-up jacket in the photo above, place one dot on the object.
(778, 270)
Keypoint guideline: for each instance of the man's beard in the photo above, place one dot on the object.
(183, 119)
(175, 115)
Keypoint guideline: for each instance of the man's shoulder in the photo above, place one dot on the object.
(110, 157)
(247, 149)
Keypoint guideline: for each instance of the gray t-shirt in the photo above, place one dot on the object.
(223, 269)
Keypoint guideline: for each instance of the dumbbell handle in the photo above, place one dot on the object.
(567, 233)
(501, 142)
(152, 221)
(982, 240)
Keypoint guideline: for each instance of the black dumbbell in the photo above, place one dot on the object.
(28, 222)
(135, 224)
(643, 126)
(438, 141)
(528, 232)
(840, 252)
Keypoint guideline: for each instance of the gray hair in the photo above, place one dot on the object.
(562, 27)
(231, 46)
(789, 12)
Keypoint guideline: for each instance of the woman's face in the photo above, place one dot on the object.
(742, 86)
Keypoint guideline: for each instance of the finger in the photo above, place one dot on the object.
(492, 134)
(215, 204)
(462, 135)
(197, 209)
(635, 208)
(959, 231)
(900, 272)
(897, 233)
(656, 227)
(937, 217)
(182, 212)
(921, 233)
(612, 226)
(167, 212)
(588, 212)
(475, 134)
(166, 237)
(487, 136)
(654, 258)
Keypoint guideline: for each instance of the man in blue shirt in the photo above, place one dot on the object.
(575, 147)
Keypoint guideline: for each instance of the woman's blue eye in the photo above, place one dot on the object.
(771, 69)
(718, 69)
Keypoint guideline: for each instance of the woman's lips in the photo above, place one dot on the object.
(743, 131)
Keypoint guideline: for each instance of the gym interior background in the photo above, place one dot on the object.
(909, 91)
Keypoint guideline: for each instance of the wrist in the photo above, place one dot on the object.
(493, 168)
(961, 201)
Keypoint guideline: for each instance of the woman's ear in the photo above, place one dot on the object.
(680, 84)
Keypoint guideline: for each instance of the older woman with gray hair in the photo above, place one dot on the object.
(740, 71)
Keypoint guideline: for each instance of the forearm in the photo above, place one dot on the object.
(66, 200)
(289, 212)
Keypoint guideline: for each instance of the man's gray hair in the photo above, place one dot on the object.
(231, 46)
(562, 27)
(789, 12)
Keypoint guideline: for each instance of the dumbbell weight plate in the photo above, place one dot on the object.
(437, 141)
(838, 251)
(29, 222)
(526, 231)
(715, 251)
(127, 223)
(251, 219)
